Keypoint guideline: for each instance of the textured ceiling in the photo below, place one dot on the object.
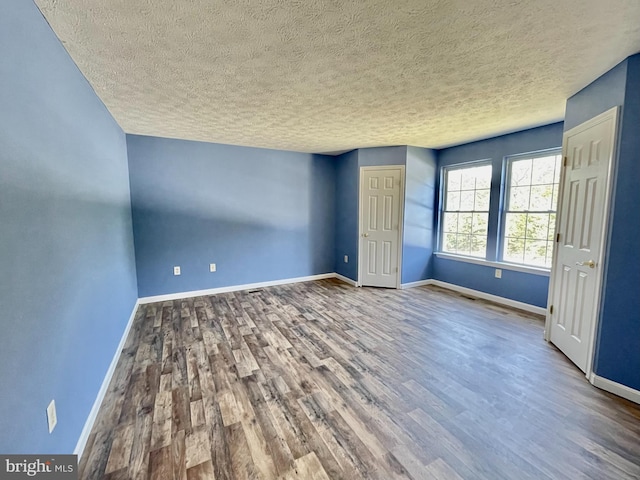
(327, 75)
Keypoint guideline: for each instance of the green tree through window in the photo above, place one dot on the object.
(530, 209)
(466, 210)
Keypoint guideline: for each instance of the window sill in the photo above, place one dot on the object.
(503, 265)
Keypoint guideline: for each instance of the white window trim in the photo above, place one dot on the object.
(545, 272)
(501, 241)
(442, 195)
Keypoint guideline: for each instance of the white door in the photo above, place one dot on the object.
(380, 219)
(577, 269)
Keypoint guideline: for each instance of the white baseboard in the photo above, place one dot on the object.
(88, 424)
(232, 288)
(615, 388)
(419, 283)
(345, 279)
(493, 298)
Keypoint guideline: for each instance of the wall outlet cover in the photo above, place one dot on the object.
(212, 267)
(176, 270)
(346, 259)
(498, 273)
(52, 416)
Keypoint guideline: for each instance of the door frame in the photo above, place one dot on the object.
(611, 114)
(400, 216)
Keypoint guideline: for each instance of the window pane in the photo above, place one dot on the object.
(549, 259)
(464, 242)
(519, 198)
(465, 213)
(514, 251)
(552, 226)
(529, 216)
(453, 180)
(535, 253)
(543, 170)
(449, 243)
(466, 200)
(556, 177)
(520, 173)
(537, 226)
(515, 225)
(468, 179)
(450, 222)
(479, 226)
(478, 246)
(453, 201)
(483, 177)
(482, 200)
(464, 223)
(554, 201)
(541, 196)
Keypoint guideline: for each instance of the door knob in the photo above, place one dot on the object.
(365, 234)
(589, 263)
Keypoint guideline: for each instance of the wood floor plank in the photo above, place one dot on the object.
(320, 380)
(202, 471)
(120, 448)
(307, 467)
(179, 452)
(160, 464)
(197, 447)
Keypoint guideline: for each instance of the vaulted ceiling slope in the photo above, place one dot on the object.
(330, 75)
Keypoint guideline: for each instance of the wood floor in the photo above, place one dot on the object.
(321, 380)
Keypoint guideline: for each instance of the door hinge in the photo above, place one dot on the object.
(566, 161)
(557, 238)
(551, 310)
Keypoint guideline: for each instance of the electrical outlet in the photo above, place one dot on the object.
(176, 270)
(212, 267)
(498, 273)
(52, 417)
(346, 259)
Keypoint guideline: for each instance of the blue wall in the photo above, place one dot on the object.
(346, 227)
(599, 96)
(618, 340)
(523, 287)
(347, 200)
(66, 247)
(380, 156)
(259, 214)
(419, 218)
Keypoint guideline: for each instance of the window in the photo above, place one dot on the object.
(529, 216)
(466, 210)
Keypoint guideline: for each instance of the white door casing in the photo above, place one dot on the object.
(576, 277)
(381, 209)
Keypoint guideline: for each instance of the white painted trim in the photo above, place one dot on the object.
(493, 298)
(93, 414)
(402, 194)
(419, 283)
(502, 265)
(614, 115)
(615, 388)
(346, 280)
(232, 288)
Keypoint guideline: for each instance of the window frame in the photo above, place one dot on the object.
(504, 202)
(442, 205)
